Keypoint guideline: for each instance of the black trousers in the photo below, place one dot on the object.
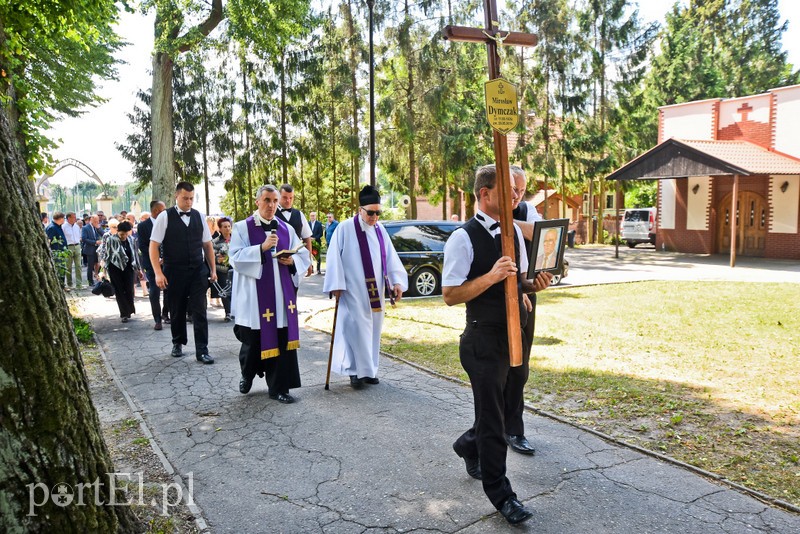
(122, 281)
(91, 260)
(517, 378)
(226, 301)
(187, 291)
(484, 355)
(282, 372)
(155, 295)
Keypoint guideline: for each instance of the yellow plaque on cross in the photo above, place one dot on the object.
(502, 110)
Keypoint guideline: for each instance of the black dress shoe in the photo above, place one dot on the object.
(370, 380)
(245, 384)
(283, 398)
(205, 358)
(166, 320)
(177, 352)
(355, 382)
(473, 465)
(520, 444)
(514, 512)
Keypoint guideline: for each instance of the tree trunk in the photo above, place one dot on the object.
(284, 140)
(245, 114)
(412, 147)
(162, 137)
(204, 141)
(49, 429)
(354, 88)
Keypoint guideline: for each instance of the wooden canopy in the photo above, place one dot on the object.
(675, 158)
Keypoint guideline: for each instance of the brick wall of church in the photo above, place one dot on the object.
(784, 246)
(679, 238)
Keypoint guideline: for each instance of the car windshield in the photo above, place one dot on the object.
(637, 216)
(425, 237)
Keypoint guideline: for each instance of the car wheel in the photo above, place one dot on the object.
(631, 245)
(555, 280)
(424, 283)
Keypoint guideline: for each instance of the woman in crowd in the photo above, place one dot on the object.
(224, 270)
(121, 261)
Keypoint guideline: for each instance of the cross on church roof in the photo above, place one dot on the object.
(745, 110)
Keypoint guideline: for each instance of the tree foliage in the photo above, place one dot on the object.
(51, 56)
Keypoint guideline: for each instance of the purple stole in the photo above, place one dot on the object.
(366, 261)
(265, 290)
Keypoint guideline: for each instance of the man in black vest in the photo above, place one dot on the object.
(295, 218)
(474, 273)
(144, 231)
(188, 265)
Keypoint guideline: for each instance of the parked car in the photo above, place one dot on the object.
(639, 226)
(420, 245)
(557, 276)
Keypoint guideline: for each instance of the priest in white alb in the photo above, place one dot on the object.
(363, 271)
(264, 300)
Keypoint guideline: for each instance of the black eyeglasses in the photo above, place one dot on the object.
(372, 213)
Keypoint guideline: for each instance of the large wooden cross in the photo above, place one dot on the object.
(491, 35)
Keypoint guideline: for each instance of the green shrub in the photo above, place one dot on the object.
(83, 330)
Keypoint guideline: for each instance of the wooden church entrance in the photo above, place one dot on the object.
(751, 224)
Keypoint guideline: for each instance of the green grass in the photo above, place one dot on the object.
(707, 372)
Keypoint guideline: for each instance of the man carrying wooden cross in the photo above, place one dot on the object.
(474, 273)
(484, 276)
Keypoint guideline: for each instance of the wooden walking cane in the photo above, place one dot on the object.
(330, 352)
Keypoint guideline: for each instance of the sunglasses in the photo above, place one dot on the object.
(372, 213)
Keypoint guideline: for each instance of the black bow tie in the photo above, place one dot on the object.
(284, 210)
(493, 227)
(185, 213)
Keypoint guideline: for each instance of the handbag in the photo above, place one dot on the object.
(103, 287)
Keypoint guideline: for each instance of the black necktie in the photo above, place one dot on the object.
(185, 213)
(284, 210)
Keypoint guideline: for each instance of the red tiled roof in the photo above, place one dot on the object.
(756, 159)
(679, 158)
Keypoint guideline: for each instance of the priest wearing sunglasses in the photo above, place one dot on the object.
(365, 273)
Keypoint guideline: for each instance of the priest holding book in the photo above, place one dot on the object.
(264, 301)
(365, 273)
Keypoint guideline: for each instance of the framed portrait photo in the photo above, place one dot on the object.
(547, 250)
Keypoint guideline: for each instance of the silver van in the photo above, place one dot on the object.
(639, 226)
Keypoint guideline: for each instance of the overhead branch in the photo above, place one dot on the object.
(188, 40)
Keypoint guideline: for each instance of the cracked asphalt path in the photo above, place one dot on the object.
(379, 460)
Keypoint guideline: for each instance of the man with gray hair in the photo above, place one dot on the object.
(474, 274)
(269, 260)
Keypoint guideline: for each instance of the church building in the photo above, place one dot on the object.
(729, 175)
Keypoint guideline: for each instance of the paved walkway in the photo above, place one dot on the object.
(379, 460)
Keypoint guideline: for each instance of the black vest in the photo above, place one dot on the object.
(490, 306)
(183, 245)
(295, 222)
(520, 213)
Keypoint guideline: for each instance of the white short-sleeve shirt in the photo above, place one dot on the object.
(458, 253)
(160, 226)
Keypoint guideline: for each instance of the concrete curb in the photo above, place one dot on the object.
(196, 511)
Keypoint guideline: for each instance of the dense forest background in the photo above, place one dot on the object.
(276, 91)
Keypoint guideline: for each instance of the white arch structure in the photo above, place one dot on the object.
(67, 163)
